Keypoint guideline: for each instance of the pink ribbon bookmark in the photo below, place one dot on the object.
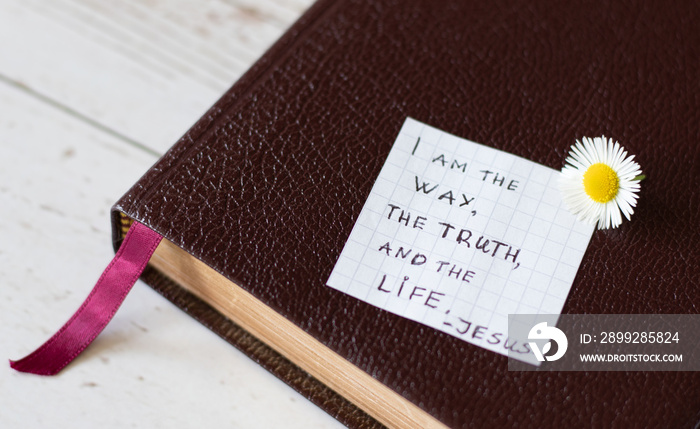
(99, 307)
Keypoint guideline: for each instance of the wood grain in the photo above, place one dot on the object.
(91, 93)
(146, 70)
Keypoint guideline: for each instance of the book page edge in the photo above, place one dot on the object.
(288, 339)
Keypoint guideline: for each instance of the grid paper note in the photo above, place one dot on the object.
(457, 235)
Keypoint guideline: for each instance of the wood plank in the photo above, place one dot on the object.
(146, 70)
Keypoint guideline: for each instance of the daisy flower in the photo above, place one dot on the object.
(599, 182)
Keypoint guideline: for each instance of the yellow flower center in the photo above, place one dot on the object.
(601, 182)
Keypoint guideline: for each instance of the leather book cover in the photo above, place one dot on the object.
(267, 186)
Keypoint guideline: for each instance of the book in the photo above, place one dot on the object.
(257, 200)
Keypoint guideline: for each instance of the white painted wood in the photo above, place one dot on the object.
(145, 69)
(82, 84)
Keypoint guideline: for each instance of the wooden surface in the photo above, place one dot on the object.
(91, 93)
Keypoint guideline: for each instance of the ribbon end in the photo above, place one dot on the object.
(29, 367)
(18, 365)
(99, 307)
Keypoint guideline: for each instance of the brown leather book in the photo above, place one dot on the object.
(257, 200)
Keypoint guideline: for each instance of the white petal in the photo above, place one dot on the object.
(582, 155)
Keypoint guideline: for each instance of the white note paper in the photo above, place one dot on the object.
(457, 235)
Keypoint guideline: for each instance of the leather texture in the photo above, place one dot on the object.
(266, 187)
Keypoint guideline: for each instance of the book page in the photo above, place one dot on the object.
(457, 235)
